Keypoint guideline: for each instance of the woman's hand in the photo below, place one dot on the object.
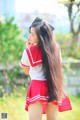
(28, 44)
(26, 70)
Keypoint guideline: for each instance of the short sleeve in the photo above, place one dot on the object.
(24, 60)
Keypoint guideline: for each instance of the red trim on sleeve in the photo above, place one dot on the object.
(35, 55)
(22, 65)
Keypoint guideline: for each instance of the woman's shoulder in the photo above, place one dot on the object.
(35, 55)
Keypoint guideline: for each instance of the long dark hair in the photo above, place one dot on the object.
(51, 59)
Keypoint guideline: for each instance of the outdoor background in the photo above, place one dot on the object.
(15, 19)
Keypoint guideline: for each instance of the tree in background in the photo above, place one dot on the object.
(11, 44)
(73, 7)
(11, 47)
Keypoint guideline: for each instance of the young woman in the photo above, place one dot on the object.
(42, 61)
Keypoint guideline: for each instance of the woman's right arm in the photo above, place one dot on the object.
(24, 63)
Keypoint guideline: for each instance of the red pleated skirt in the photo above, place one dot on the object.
(38, 91)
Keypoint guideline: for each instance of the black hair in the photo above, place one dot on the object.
(51, 59)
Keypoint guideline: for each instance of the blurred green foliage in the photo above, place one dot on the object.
(11, 44)
(65, 41)
(11, 48)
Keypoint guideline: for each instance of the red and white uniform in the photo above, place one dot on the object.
(32, 58)
(38, 89)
